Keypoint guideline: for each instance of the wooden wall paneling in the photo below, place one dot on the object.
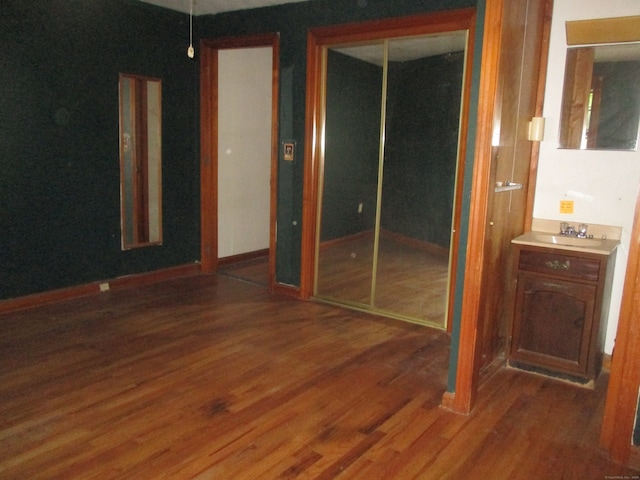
(522, 24)
(508, 96)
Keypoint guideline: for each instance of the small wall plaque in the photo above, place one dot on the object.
(289, 151)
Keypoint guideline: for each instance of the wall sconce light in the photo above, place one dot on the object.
(536, 129)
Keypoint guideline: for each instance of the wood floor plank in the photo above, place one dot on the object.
(208, 377)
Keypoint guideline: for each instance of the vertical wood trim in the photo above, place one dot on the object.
(575, 96)
(461, 166)
(275, 144)
(624, 381)
(542, 82)
(310, 185)
(469, 345)
(208, 158)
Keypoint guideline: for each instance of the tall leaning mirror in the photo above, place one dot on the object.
(140, 161)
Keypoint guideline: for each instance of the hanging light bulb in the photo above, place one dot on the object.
(190, 51)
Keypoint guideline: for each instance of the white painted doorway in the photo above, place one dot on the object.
(244, 149)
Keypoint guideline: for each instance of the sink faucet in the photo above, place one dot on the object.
(582, 231)
(570, 230)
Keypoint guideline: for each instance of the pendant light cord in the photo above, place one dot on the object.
(190, 51)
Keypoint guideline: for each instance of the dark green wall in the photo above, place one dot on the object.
(59, 181)
(59, 150)
(423, 116)
(620, 106)
(352, 146)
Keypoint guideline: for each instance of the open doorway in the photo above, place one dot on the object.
(239, 149)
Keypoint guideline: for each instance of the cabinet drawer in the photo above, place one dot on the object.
(567, 266)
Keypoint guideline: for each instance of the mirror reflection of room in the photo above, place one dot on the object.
(601, 98)
(389, 172)
(140, 161)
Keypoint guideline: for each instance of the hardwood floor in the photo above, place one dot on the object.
(209, 377)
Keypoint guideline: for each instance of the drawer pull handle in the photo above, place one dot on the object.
(557, 265)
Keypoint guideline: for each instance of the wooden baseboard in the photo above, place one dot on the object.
(243, 257)
(156, 276)
(447, 401)
(52, 296)
(606, 363)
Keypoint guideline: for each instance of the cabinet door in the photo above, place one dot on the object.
(553, 323)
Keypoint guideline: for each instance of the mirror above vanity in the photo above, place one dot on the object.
(601, 96)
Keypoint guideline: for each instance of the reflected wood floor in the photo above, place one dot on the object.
(212, 378)
(411, 280)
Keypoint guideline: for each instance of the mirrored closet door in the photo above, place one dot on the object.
(387, 180)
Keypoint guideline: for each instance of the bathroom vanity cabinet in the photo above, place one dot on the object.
(560, 299)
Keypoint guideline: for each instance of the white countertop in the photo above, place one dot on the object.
(600, 246)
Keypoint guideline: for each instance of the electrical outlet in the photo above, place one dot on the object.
(360, 207)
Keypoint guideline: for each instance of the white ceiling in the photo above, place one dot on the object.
(408, 48)
(202, 7)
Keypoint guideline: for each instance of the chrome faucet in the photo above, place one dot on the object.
(570, 230)
(582, 230)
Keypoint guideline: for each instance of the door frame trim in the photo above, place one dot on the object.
(209, 144)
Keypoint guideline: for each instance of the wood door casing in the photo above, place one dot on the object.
(624, 382)
(209, 144)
